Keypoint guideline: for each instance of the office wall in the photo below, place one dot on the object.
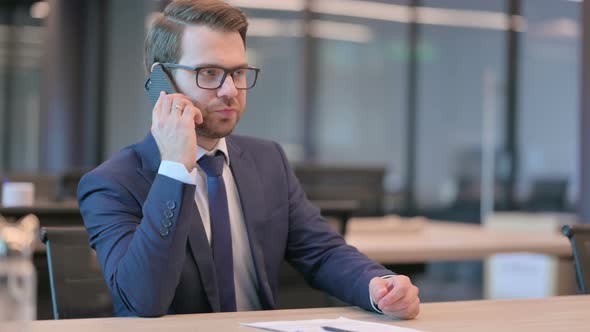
(451, 100)
(3, 109)
(274, 106)
(359, 105)
(20, 86)
(127, 110)
(549, 98)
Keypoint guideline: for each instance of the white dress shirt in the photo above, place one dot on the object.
(245, 281)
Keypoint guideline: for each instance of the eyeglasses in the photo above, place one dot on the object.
(212, 77)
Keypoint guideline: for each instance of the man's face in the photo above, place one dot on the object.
(223, 107)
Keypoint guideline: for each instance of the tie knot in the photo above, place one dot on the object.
(212, 165)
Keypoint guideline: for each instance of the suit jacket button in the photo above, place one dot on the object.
(164, 231)
(171, 205)
(168, 213)
(167, 223)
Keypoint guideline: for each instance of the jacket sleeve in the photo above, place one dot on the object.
(141, 248)
(321, 254)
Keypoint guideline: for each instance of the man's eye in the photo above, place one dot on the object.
(210, 72)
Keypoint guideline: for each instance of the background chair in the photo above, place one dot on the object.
(78, 289)
(579, 236)
(363, 184)
(67, 183)
(548, 194)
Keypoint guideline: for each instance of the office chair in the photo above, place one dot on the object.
(78, 289)
(335, 182)
(67, 183)
(579, 236)
(548, 194)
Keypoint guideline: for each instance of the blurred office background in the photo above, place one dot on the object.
(424, 89)
(466, 106)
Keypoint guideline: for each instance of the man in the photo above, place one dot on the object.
(178, 236)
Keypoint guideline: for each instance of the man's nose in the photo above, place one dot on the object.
(228, 88)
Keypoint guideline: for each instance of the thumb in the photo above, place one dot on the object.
(378, 288)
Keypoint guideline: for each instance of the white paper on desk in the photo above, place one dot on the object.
(315, 325)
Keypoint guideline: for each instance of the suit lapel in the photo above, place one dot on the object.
(197, 238)
(252, 200)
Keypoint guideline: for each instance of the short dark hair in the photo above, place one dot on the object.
(163, 41)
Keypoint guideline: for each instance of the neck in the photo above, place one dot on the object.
(207, 143)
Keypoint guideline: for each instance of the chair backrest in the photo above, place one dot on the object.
(548, 194)
(363, 184)
(78, 288)
(579, 236)
(67, 184)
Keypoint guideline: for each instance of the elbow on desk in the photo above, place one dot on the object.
(148, 305)
(148, 309)
(150, 312)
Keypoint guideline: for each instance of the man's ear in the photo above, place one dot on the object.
(154, 65)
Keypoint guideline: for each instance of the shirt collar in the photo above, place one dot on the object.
(221, 146)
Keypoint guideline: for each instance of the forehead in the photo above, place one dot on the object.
(203, 45)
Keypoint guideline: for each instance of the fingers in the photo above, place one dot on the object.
(402, 301)
(157, 111)
(170, 109)
(378, 288)
(191, 114)
(197, 115)
(409, 312)
(166, 105)
(174, 105)
(184, 105)
(173, 129)
(158, 106)
(178, 105)
(399, 287)
(188, 114)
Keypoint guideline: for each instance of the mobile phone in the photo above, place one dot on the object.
(159, 80)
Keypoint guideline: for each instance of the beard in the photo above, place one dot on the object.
(217, 128)
(214, 127)
(209, 130)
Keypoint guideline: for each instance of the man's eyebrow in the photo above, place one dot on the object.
(243, 65)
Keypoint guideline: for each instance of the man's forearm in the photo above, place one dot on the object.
(143, 258)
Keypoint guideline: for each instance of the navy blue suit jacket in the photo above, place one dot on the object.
(153, 270)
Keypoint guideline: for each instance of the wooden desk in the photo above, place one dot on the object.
(68, 213)
(570, 313)
(49, 214)
(438, 241)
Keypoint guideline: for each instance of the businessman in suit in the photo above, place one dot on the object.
(195, 219)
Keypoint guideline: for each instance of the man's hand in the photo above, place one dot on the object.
(173, 126)
(395, 296)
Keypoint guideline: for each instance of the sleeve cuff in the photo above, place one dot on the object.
(175, 170)
(373, 304)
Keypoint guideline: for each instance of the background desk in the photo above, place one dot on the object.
(549, 314)
(446, 241)
(68, 214)
(49, 214)
(437, 241)
(294, 291)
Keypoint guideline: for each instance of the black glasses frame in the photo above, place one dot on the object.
(225, 73)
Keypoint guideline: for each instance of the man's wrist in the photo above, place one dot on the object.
(373, 304)
(175, 170)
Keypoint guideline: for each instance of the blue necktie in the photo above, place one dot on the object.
(220, 229)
